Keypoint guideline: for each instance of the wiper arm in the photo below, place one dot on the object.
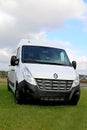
(43, 62)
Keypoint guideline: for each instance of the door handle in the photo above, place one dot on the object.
(13, 70)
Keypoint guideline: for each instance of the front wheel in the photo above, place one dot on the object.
(75, 99)
(73, 102)
(17, 97)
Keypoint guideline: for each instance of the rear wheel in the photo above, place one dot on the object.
(8, 87)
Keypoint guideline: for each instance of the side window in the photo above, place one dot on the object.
(62, 56)
(18, 53)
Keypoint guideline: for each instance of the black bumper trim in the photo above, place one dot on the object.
(34, 92)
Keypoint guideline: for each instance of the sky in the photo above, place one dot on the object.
(62, 22)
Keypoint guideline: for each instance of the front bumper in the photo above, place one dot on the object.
(32, 91)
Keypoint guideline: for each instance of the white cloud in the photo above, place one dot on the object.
(81, 60)
(82, 63)
(37, 36)
(34, 19)
(4, 54)
(30, 16)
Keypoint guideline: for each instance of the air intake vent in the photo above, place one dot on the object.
(48, 84)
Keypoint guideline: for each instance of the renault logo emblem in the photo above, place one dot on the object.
(55, 75)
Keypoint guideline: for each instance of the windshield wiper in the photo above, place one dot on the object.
(43, 62)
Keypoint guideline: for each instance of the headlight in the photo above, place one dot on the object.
(28, 76)
(76, 82)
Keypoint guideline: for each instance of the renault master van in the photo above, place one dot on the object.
(43, 72)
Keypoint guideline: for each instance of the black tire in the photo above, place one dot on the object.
(8, 87)
(74, 100)
(17, 97)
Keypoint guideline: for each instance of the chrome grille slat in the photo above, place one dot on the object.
(52, 84)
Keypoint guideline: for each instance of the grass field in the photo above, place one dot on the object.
(41, 117)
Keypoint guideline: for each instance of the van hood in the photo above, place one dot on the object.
(51, 71)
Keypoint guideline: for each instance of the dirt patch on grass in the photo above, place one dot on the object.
(3, 80)
(83, 81)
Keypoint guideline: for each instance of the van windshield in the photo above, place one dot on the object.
(44, 55)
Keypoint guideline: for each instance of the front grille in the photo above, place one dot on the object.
(51, 84)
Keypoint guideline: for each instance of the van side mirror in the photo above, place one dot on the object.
(14, 61)
(74, 64)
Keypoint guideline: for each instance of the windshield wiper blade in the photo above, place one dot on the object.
(42, 62)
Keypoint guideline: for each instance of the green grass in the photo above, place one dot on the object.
(41, 117)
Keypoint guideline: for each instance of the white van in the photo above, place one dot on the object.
(42, 72)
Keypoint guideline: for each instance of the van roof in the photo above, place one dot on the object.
(38, 43)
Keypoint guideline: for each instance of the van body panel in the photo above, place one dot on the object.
(63, 72)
